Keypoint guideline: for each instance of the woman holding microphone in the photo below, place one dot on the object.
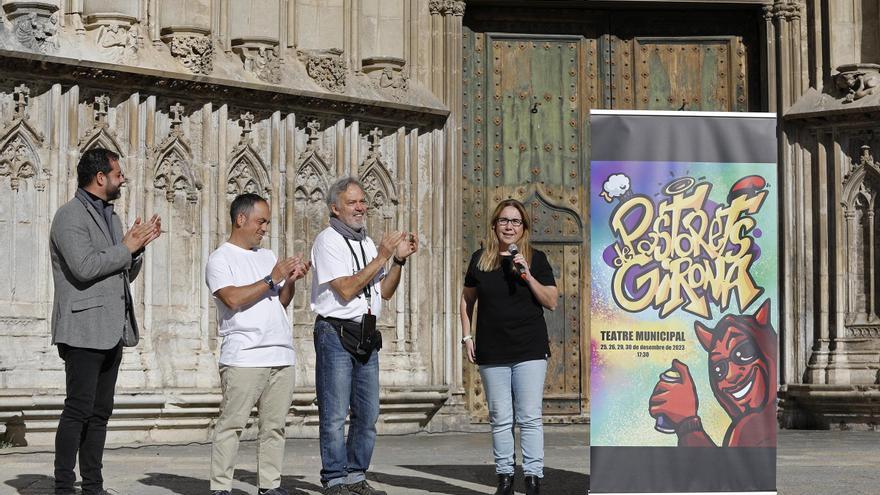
(512, 283)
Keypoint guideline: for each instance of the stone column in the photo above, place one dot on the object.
(323, 33)
(382, 45)
(446, 16)
(113, 22)
(185, 26)
(255, 34)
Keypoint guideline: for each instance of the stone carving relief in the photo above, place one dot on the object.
(17, 162)
(326, 67)
(173, 172)
(313, 178)
(313, 173)
(194, 51)
(381, 193)
(862, 250)
(446, 7)
(100, 135)
(260, 59)
(857, 80)
(782, 10)
(18, 144)
(387, 75)
(247, 173)
(119, 42)
(37, 32)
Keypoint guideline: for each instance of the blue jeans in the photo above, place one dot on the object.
(341, 383)
(515, 391)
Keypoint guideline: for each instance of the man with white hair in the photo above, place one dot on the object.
(349, 282)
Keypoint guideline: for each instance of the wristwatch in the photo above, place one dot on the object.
(466, 338)
(269, 281)
(397, 261)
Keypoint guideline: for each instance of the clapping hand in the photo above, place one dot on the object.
(390, 243)
(142, 233)
(300, 269)
(408, 245)
(284, 269)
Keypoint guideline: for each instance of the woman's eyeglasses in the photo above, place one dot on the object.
(516, 222)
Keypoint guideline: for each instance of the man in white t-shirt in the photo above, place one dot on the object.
(252, 289)
(349, 282)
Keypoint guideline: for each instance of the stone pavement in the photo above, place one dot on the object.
(810, 463)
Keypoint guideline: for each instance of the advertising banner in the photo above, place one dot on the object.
(684, 302)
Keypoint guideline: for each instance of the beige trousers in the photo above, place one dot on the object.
(242, 388)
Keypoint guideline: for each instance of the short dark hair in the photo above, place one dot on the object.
(91, 162)
(243, 204)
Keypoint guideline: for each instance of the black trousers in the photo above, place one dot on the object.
(91, 381)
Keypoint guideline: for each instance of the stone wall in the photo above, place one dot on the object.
(828, 143)
(205, 99)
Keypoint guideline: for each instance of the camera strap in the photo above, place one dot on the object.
(366, 290)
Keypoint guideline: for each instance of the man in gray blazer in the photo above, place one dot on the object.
(93, 262)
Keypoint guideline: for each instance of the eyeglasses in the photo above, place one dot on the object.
(516, 222)
(743, 354)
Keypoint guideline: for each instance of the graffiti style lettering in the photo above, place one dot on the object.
(685, 253)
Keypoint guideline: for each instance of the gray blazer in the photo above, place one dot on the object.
(92, 270)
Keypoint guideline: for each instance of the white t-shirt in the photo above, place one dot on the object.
(331, 259)
(258, 335)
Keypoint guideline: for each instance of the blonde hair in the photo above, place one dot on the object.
(491, 258)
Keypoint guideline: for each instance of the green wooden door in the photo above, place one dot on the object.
(531, 76)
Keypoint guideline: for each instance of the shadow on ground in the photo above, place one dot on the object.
(186, 485)
(32, 484)
(555, 482)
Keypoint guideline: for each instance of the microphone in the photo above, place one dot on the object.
(517, 269)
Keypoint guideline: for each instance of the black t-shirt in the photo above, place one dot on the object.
(510, 320)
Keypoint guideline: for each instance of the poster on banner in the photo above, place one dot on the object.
(684, 308)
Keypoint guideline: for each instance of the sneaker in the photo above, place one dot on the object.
(364, 488)
(273, 491)
(221, 492)
(336, 490)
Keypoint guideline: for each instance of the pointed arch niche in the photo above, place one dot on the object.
(382, 215)
(176, 278)
(311, 185)
(247, 173)
(862, 251)
(381, 191)
(24, 222)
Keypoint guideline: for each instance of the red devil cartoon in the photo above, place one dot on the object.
(742, 372)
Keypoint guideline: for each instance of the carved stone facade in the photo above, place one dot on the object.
(831, 318)
(326, 67)
(201, 107)
(203, 101)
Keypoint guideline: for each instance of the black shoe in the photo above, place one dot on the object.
(221, 492)
(336, 490)
(533, 485)
(363, 488)
(505, 484)
(273, 491)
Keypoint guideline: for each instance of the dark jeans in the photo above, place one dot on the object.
(91, 380)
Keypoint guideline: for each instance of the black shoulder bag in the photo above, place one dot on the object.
(360, 339)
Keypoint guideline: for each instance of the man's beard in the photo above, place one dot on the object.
(114, 193)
